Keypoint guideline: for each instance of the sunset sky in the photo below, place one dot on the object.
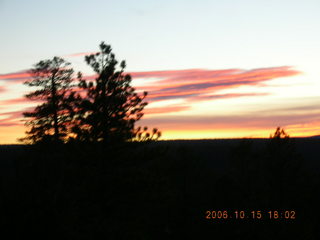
(213, 69)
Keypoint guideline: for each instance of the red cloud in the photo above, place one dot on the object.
(194, 83)
(20, 76)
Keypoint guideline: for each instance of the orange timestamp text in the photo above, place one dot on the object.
(252, 214)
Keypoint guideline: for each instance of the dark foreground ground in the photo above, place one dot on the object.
(210, 189)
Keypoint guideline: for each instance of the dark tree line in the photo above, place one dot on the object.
(103, 110)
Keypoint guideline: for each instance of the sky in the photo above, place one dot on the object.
(213, 69)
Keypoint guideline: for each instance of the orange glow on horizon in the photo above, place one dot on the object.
(9, 135)
(234, 133)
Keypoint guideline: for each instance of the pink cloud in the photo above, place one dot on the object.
(13, 118)
(2, 89)
(223, 96)
(167, 109)
(196, 82)
(79, 54)
(15, 101)
(20, 76)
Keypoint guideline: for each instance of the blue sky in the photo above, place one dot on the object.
(176, 35)
(163, 34)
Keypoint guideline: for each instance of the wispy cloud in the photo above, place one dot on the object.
(14, 101)
(79, 54)
(224, 96)
(19, 76)
(197, 83)
(166, 109)
(12, 118)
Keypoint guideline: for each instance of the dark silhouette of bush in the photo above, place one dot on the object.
(142, 135)
(281, 155)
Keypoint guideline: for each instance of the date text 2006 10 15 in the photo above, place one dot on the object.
(271, 214)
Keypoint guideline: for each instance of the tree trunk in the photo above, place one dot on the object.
(54, 106)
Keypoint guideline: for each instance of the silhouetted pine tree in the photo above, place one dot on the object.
(109, 106)
(49, 121)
